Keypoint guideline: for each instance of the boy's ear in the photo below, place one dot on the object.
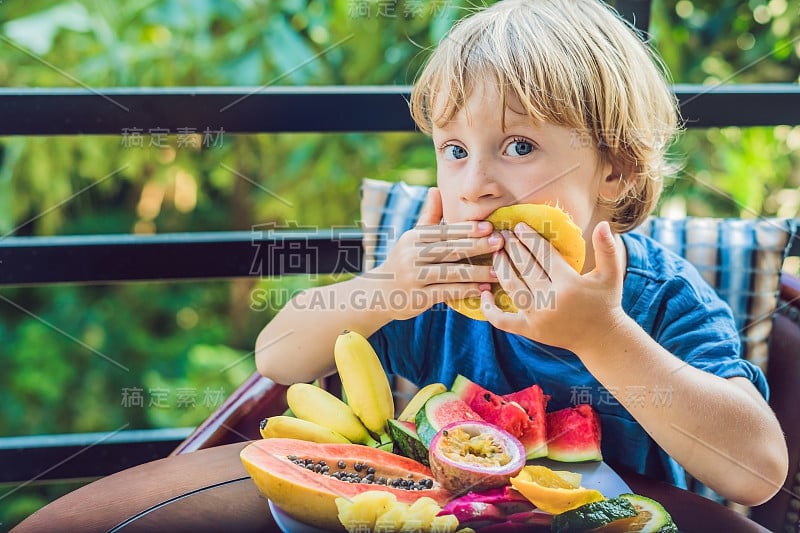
(615, 185)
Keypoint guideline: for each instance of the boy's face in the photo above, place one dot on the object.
(481, 166)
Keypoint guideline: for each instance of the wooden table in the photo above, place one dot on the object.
(209, 490)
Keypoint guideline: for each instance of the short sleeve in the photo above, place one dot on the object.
(698, 327)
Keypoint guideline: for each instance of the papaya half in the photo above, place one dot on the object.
(293, 474)
(552, 223)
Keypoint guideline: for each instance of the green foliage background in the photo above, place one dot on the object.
(197, 336)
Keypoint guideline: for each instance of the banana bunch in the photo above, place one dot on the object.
(297, 428)
(364, 382)
(320, 416)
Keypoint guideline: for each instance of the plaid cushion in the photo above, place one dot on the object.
(741, 259)
(387, 211)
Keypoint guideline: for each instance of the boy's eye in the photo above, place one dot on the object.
(454, 151)
(519, 147)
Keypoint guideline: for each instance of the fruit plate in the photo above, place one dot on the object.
(594, 475)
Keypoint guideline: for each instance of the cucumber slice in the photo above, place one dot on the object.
(651, 517)
(593, 515)
(613, 516)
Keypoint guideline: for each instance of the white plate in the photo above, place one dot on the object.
(598, 476)
(594, 475)
(289, 524)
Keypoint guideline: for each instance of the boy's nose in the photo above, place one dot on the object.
(478, 183)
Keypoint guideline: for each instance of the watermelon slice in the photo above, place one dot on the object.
(534, 436)
(491, 407)
(573, 434)
(520, 413)
(439, 411)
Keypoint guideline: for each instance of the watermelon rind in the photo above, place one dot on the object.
(440, 410)
(407, 442)
(461, 385)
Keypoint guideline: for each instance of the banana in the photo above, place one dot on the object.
(419, 399)
(364, 382)
(317, 405)
(294, 428)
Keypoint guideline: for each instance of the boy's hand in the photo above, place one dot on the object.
(557, 306)
(422, 268)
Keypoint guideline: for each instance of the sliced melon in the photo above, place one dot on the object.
(439, 411)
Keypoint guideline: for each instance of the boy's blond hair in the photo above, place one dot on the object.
(573, 63)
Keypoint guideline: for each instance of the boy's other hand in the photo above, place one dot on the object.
(432, 211)
(423, 267)
(556, 305)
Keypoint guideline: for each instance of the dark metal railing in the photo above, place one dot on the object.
(208, 255)
(82, 455)
(318, 109)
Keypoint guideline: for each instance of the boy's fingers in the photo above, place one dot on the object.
(496, 316)
(446, 292)
(527, 265)
(605, 252)
(506, 275)
(549, 259)
(431, 213)
(461, 250)
(455, 273)
(458, 230)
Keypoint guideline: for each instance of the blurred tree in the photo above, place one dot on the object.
(732, 171)
(74, 356)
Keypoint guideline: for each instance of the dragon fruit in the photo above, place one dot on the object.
(497, 509)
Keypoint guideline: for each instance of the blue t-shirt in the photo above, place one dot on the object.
(662, 292)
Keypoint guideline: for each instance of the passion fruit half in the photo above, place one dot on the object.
(552, 223)
(474, 456)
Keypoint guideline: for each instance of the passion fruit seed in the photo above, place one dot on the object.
(367, 478)
(481, 449)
